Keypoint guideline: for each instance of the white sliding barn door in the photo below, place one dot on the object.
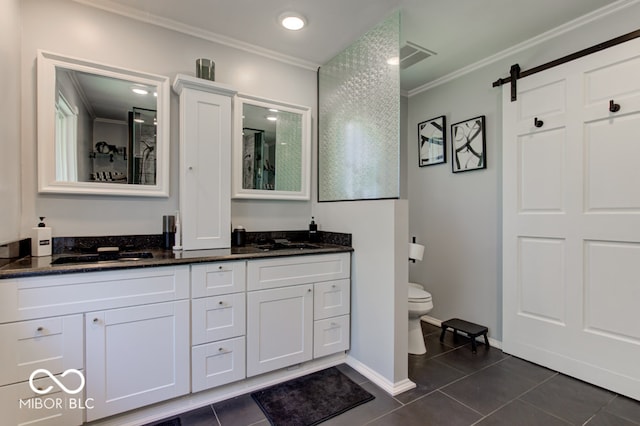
(571, 219)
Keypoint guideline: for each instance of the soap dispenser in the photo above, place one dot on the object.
(313, 231)
(41, 239)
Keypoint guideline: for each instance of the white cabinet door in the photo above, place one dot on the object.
(205, 163)
(279, 328)
(136, 356)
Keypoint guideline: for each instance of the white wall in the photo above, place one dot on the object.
(379, 276)
(70, 28)
(458, 216)
(10, 120)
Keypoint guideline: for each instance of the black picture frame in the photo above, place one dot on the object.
(468, 145)
(432, 141)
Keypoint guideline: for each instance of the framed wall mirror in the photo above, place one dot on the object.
(101, 129)
(271, 150)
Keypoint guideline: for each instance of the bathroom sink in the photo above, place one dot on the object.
(286, 246)
(102, 257)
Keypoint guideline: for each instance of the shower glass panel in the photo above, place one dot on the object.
(142, 146)
(359, 118)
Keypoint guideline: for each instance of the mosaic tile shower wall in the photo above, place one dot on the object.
(359, 118)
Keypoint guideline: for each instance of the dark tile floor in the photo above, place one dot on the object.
(456, 387)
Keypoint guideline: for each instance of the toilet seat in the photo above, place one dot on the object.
(418, 296)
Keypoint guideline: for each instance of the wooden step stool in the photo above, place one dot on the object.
(470, 329)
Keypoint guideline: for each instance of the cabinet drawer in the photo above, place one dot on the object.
(56, 295)
(293, 270)
(20, 405)
(212, 279)
(330, 336)
(217, 318)
(55, 344)
(331, 299)
(217, 363)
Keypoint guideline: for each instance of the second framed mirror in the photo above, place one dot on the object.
(271, 149)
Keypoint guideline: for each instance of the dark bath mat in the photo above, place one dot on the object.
(171, 422)
(310, 399)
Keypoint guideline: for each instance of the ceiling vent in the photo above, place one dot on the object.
(411, 54)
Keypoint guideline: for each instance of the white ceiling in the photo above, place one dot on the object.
(461, 32)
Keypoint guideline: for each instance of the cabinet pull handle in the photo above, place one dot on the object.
(613, 107)
(537, 123)
(40, 329)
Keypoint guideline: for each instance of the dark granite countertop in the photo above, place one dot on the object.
(37, 266)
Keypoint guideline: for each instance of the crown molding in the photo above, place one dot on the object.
(173, 25)
(562, 29)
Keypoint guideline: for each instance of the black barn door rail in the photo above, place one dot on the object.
(516, 73)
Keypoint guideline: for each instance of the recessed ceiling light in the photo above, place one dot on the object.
(271, 118)
(139, 91)
(292, 21)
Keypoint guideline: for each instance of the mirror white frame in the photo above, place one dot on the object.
(47, 62)
(305, 161)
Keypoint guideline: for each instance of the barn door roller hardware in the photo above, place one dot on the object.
(516, 73)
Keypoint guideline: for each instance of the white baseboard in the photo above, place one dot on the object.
(392, 389)
(438, 323)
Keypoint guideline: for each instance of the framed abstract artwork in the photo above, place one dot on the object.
(432, 138)
(468, 145)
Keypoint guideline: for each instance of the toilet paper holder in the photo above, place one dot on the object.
(416, 251)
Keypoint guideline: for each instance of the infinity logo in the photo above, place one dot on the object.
(56, 381)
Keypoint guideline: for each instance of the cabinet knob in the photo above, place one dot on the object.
(538, 123)
(96, 320)
(220, 267)
(39, 329)
(613, 107)
(309, 291)
(221, 303)
(190, 168)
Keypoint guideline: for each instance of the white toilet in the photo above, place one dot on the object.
(420, 303)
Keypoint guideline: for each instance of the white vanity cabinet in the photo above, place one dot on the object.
(205, 162)
(132, 324)
(280, 309)
(217, 324)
